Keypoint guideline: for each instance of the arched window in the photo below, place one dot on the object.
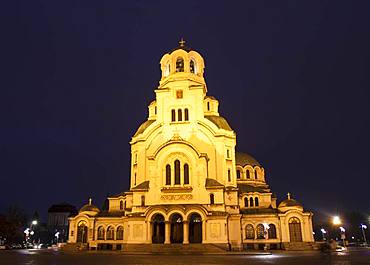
(255, 174)
(249, 231)
(260, 231)
(167, 70)
(256, 202)
(168, 175)
(238, 174)
(208, 108)
(179, 114)
(245, 202)
(121, 205)
(212, 198)
(248, 174)
(295, 230)
(186, 174)
(101, 233)
(177, 172)
(186, 118)
(192, 67)
(119, 235)
(251, 203)
(142, 200)
(229, 175)
(272, 231)
(180, 65)
(135, 179)
(173, 115)
(110, 233)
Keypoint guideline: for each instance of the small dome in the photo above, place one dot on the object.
(290, 204)
(243, 159)
(89, 208)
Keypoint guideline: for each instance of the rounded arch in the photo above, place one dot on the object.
(174, 142)
(180, 64)
(249, 231)
(110, 232)
(152, 211)
(272, 231)
(260, 231)
(101, 233)
(295, 229)
(119, 232)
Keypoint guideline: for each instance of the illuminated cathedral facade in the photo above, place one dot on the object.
(188, 185)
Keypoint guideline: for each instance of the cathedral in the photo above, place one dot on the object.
(188, 185)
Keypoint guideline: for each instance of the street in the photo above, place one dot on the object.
(52, 257)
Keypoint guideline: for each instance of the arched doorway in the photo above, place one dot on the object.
(158, 229)
(82, 233)
(177, 229)
(295, 231)
(195, 228)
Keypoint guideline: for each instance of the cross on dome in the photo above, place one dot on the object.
(182, 42)
(288, 195)
(90, 201)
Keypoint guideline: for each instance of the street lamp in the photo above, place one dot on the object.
(323, 232)
(336, 220)
(363, 227)
(265, 233)
(34, 222)
(343, 235)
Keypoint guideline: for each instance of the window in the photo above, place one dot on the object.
(179, 114)
(186, 174)
(248, 174)
(168, 175)
(255, 174)
(135, 179)
(186, 115)
(173, 115)
(260, 231)
(101, 233)
(192, 66)
(180, 65)
(167, 70)
(155, 110)
(249, 232)
(256, 202)
(212, 198)
(238, 174)
(110, 233)
(295, 231)
(179, 94)
(208, 108)
(228, 153)
(245, 202)
(119, 235)
(229, 175)
(142, 200)
(251, 202)
(272, 231)
(177, 172)
(121, 205)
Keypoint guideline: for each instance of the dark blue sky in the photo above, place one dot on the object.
(292, 78)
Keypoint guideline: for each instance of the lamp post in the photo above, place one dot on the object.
(363, 227)
(265, 233)
(323, 232)
(343, 235)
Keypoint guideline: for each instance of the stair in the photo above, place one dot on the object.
(299, 246)
(175, 248)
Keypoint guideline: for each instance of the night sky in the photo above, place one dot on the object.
(292, 79)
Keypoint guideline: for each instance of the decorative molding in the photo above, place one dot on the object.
(175, 197)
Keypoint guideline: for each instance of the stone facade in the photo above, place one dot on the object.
(187, 183)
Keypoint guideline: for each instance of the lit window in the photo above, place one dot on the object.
(119, 235)
(110, 233)
(260, 231)
(249, 232)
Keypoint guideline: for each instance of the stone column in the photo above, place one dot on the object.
(186, 232)
(167, 232)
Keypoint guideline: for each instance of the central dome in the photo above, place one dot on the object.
(243, 159)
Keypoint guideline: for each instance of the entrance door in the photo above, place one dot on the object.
(195, 228)
(82, 233)
(158, 229)
(177, 232)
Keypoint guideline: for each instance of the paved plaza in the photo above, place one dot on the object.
(50, 257)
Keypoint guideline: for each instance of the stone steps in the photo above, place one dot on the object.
(299, 246)
(174, 248)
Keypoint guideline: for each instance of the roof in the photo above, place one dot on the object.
(212, 183)
(62, 208)
(110, 214)
(244, 159)
(259, 211)
(89, 208)
(290, 203)
(142, 186)
(210, 97)
(219, 121)
(250, 188)
(143, 127)
(181, 47)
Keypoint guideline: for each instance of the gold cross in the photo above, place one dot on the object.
(182, 42)
(90, 201)
(288, 195)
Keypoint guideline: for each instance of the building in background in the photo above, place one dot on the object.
(188, 184)
(58, 223)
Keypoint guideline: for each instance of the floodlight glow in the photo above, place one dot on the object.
(342, 229)
(336, 220)
(363, 226)
(34, 222)
(323, 231)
